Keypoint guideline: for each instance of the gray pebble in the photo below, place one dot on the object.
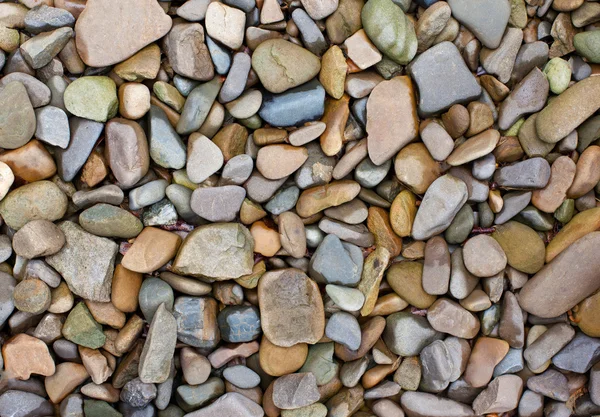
(147, 194)
(343, 328)
(241, 376)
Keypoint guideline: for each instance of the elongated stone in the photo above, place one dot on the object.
(155, 360)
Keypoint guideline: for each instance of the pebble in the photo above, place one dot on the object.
(586, 44)
(241, 376)
(17, 110)
(275, 58)
(21, 403)
(501, 395)
(295, 390)
(500, 61)
(397, 97)
(38, 238)
(438, 89)
(336, 262)
(568, 111)
(421, 404)
(449, 317)
(303, 302)
(155, 359)
(92, 97)
(486, 354)
(533, 173)
(546, 345)
(343, 328)
(430, 220)
(400, 44)
(528, 96)
(110, 221)
(277, 108)
(406, 334)
(86, 262)
(579, 355)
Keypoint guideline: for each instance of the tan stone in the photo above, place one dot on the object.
(415, 167)
(62, 299)
(95, 169)
(549, 198)
(126, 286)
(580, 225)
(317, 199)
(480, 116)
(335, 118)
(231, 139)
(406, 278)
(277, 361)
(251, 212)
(224, 354)
(486, 354)
(32, 296)
(102, 392)
(132, 26)
(388, 304)
(333, 72)
(474, 148)
(106, 313)
(392, 120)
(129, 334)
(134, 100)
(586, 315)
(291, 308)
(144, 65)
(67, 377)
(25, 355)
(266, 240)
(278, 161)
(96, 364)
(587, 174)
(196, 368)
(361, 50)
(403, 212)
(456, 120)
(151, 249)
(292, 234)
(31, 162)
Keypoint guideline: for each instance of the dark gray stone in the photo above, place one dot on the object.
(530, 174)
(551, 384)
(43, 19)
(137, 393)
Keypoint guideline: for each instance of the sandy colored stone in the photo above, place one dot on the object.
(196, 368)
(587, 174)
(225, 24)
(474, 148)
(266, 240)
(144, 65)
(132, 26)
(335, 118)
(25, 355)
(97, 364)
(486, 354)
(569, 110)
(282, 65)
(277, 361)
(278, 161)
(317, 199)
(67, 377)
(415, 167)
(378, 223)
(449, 317)
(403, 212)
(549, 198)
(290, 290)
(333, 72)
(580, 225)
(405, 278)
(31, 162)
(134, 100)
(125, 289)
(392, 120)
(151, 249)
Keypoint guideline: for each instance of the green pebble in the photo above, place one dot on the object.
(93, 97)
(461, 226)
(558, 72)
(514, 129)
(565, 212)
(95, 408)
(81, 328)
(588, 45)
(321, 363)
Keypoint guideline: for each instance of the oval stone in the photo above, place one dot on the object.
(522, 245)
(565, 281)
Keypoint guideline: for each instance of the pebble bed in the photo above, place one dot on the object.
(299, 208)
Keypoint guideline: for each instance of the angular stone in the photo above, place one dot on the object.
(130, 28)
(25, 355)
(81, 328)
(439, 88)
(197, 321)
(231, 404)
(292, 291)
(335, 262)
(218, 251)
(295, 391)
(187, 52)
(579, 355)
(446, 316)
(84, 134)
(39, 50)
(500, 61)
(406, 334)
(501, 395)
(155, 360)
(551, 384)
(86, 262)
(487, 20)
(92, 97)
(38, 238)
